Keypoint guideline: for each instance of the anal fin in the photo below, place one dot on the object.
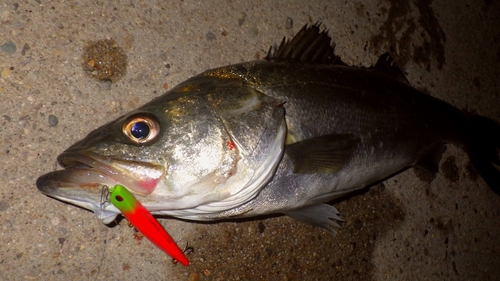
(430, 161)
(323, 216)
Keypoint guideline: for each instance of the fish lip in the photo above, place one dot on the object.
(76, 160)
(139, 177)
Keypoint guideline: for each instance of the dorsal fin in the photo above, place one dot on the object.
(309, 45)
(386, 64)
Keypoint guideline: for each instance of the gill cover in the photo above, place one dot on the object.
(224, 140)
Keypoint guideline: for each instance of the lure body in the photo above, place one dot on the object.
(141, 219)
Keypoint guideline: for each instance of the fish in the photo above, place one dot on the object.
(283, 135)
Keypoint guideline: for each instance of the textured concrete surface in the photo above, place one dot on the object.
(411, 227)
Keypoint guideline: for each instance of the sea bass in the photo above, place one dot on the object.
(282, 135)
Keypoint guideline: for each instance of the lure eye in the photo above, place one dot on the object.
(141, 129)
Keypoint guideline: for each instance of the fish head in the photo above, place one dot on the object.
(199, 149)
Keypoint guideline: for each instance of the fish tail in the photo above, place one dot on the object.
(483, 148)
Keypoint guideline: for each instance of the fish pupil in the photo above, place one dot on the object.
(140, 130)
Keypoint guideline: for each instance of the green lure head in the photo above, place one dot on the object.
(122, 199)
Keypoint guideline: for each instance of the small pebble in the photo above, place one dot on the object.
(106, 84)
(254, 31)
(53, 120)
(210, 36)
(61, 240)
(62, 230)
(242, 19)
(7, 224)
(3, 206)
(289, 23)
(194, 276)
(358, 224)
(5, 73)
(9, 47)
(26, 48)
(261, 227)
(206, 272)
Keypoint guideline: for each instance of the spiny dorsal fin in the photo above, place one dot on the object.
(309, 45)
(386, 64)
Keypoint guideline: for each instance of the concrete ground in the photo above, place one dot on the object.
(411, 227)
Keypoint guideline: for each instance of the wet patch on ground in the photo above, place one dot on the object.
(411, 38)
(104, 60)
(284, 249)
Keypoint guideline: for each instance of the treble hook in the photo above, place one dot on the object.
(105, 193)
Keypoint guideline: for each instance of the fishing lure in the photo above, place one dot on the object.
(141, 219)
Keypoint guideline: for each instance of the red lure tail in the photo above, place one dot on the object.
(141, 219)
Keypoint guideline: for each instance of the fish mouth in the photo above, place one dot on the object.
(84, 176)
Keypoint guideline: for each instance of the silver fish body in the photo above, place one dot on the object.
(281, 135)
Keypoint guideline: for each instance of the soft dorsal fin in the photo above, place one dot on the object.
(309, 45)
(386, 64)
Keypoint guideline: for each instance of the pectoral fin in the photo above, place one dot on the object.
(325, 154)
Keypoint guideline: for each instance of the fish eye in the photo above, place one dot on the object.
(141, 129)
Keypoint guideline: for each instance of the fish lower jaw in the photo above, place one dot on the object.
(106, 214)
(104, 211)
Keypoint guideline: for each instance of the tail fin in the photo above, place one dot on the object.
(483, 148)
